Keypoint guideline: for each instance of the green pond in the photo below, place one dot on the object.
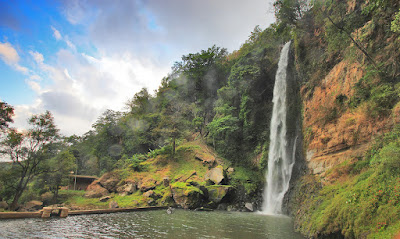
(153, 224)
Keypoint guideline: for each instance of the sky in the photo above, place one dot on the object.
(77, 58)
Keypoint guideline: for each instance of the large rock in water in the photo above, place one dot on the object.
(215, 175)
(95, 190)
(217, 192)
(186, 196)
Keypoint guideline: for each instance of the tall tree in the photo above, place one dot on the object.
(29, 150)
(6, 113)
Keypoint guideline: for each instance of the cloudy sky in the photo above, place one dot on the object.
(78, 58)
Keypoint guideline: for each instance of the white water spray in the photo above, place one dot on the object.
(280, 158)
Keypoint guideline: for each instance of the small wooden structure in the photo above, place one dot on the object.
(80, 182)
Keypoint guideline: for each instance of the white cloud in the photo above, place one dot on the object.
(84, 86)
(135, 44)
(70, 44)
(37, 56)
(56, 33)
(35, 86)
(8, 54)
(21, 69)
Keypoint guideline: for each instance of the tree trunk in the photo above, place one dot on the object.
(13, 206)
(18, 191)
(173, 147)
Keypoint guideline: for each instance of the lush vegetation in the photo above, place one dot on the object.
(225, 99)
(220, 100)
(363, 201)
(359, 197)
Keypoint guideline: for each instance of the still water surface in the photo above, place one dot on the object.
(153, 224)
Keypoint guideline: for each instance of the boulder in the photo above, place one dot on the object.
(149, 194)
(249, 206)
(113, 204)
(147, 184)
(109, 181)
(127, 189)
(216, 193)
(215, 175)
(186, 196)
(33, 205)
(165, 181)
(104, 199)
(94, 190)
(167, 199)
(3, 204)
(151, 202)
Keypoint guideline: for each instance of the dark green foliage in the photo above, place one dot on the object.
(28, 152)
(6, 113)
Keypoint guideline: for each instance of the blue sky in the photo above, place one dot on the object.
(78, 58)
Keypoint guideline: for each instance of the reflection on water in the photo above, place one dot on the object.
(153, 224)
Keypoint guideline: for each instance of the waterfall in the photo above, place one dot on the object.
(281, 154)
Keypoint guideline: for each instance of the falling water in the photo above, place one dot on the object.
(281, 154)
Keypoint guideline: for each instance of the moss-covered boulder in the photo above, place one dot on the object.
(216, 193)
(147, 184)
(186, 196)
(167, 199)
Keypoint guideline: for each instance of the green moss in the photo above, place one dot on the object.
(185, 188)
(250, 179)
(366, 204)
(217, 192)
(79, 201)
(134, 200)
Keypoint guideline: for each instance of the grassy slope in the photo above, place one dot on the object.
(364, 200)
(187, 169)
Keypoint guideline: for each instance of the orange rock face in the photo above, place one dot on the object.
(334, 133)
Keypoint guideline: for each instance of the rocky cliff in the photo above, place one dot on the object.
(350, 119)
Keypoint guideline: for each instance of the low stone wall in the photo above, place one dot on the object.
(38, 214)
(17, 215)
(113, 210)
